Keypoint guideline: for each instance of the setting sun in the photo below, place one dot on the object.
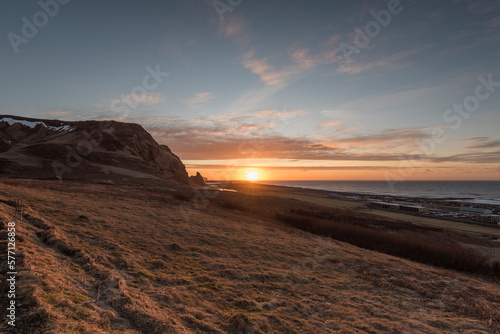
(252, 176)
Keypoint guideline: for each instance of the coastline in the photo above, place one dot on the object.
(325, 193)
(401, 193)
(320, 197)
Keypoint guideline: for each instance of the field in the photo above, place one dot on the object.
(96, 258)
(319, 197)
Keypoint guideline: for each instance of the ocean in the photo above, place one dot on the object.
(484, 192)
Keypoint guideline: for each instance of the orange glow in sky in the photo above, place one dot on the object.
(263, 173)
(252, 176)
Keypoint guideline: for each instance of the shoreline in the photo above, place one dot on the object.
(471, 200)
(320, 197)
(457, 200)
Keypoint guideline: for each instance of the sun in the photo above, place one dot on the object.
(252, 176)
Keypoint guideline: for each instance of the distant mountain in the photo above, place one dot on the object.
(86, 150)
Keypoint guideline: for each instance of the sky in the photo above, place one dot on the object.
(278, 90)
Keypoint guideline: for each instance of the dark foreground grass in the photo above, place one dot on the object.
(444, 255)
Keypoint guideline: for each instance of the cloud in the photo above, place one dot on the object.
(394, 61)
(269, 75)
(236, 28)
(303, 60)
(333, 124)
(195, 139)
(74, 115)
(483, 143)
(147, 99)
(253, 99)
(126, 102)
(385, 100)
(230, 138)
(476, 158)
(197, 100)
(476, 139)
(276, 113)
(393, 141)
(400, 135)
(61, 112)
(302, 168)
(300, 61)
(222, 143)
(336, 126)
(333, 41)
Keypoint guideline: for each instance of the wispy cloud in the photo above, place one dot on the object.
(253, 99)
(277, 113)
(300, 60)
(128, 101)
(333, 124)
(475, 158)
(395, 61)
(240, 138)
(199, 99)
(148, 99)
(267, 73)
(483, 143)
(384, 100)
(236, 28)
(303, 60)
(296, 168)
(61, 113)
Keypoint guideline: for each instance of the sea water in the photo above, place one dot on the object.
(487, 192)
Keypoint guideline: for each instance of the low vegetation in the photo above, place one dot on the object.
(367, 234)
(425, 244)
(96, 258)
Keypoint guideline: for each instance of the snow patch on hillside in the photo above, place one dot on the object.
(32, 125)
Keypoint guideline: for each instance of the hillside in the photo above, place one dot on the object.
(87, 150)
(96, 258)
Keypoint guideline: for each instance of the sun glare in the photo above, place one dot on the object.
(252, 176)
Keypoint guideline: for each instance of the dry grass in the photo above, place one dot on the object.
(400, 244)
(111, 259)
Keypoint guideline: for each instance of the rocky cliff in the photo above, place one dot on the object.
(94, 150)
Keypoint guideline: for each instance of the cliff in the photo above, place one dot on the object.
(86, 150)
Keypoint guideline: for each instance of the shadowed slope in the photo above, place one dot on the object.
(87, 150)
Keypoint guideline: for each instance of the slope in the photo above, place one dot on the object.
(96, 258)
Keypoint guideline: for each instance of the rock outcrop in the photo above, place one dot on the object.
(197, 180)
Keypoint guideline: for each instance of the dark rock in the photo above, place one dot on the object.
(197, 180)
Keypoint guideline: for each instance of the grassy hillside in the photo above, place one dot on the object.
(117, 259)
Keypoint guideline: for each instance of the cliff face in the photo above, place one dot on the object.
(100, 150)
